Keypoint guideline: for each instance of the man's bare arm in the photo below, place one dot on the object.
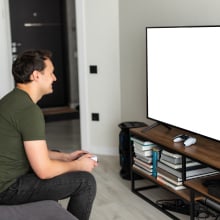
(45, 167)
(54, 155)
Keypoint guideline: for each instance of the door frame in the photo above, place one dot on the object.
(82, 74)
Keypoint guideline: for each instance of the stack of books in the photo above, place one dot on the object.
(143, 155)
(169, 170)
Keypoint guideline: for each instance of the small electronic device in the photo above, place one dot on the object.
(189, 141)
(95, 158)
(180, 137)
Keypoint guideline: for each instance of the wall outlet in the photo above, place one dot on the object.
(95, 116)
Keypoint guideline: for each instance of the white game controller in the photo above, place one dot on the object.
(95, 158)
(180, 137)
(189, 141)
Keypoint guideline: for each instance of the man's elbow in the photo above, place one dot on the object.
(44, 174)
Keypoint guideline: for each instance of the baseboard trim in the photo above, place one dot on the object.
(60, 113)
(102, 150)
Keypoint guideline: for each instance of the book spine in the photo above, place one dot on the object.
(155, 158)
(170, 170)
(143, 153)
(169, 175)
(206, 170)
(173, 160)
(178, 183)
(179, 166)
(161, 180)
(143, 147)
(171, 154)
(143, 163)
(141, 142)
(141, 169)
(144, 158)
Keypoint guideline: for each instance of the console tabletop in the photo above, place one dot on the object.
(205, 150)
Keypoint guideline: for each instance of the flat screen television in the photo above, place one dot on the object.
(183, 78)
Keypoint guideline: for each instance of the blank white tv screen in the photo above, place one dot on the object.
(183, 78)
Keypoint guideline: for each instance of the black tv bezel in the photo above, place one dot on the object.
(158, 122)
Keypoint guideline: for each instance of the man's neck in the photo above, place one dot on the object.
(29, 90)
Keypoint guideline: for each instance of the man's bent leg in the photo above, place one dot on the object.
(79, 186)
(80, 203)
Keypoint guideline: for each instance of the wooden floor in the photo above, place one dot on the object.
(114, 199)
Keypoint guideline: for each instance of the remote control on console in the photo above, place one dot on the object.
(180, 137)
(189, 141)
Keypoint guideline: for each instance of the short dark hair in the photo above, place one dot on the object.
(27, 62)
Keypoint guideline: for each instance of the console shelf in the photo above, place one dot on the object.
(205, 151)
(197, 186)
(185, 193)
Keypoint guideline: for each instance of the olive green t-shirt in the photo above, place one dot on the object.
(20, 120)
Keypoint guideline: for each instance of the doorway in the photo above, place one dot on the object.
(49, 24)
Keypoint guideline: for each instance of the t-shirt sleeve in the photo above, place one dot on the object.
(31, 124)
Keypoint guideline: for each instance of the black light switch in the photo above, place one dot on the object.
(95, 116)
(93, 69)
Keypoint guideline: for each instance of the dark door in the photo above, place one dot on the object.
(39, 24)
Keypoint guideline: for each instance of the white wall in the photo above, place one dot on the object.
(134, 17)
(6, 81)
(98, 44)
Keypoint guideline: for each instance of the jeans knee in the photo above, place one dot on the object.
(91, 181)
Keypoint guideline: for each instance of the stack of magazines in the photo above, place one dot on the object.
(143, 155)
(169, 170)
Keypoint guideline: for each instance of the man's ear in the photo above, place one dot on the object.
(35, 75)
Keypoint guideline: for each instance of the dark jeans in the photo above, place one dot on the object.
(79, 186)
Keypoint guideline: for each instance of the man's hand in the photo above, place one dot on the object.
(86, 163)
(77, 154)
